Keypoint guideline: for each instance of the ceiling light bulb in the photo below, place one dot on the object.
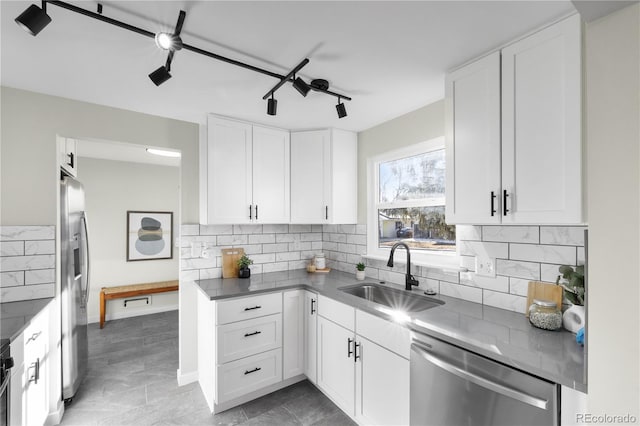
(164, 152)
(33, 20)
(164, 41)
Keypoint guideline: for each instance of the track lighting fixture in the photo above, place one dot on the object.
(160, 75)
(340, 108)
(272, 106)
(34, 19)
(300, 85)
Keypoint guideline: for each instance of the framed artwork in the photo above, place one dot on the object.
(149, 235)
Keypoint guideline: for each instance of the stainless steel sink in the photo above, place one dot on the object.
(391, 297)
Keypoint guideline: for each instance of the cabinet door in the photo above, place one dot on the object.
(35, 403)
(310, 176)
(271, 170)
(67, 155)
(377, 372)
(311, 334)
(343, 195)
(472, 106)
(293, 334)
(229, 191)
(336, 367)
(541, 135)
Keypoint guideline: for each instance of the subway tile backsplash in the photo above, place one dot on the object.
(522, 253)
(27, 262)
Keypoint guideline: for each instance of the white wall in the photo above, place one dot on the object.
(30, 122)
(417, 126)
(613, 141)
(112, 188)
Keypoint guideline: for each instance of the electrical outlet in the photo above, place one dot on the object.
(485, 266)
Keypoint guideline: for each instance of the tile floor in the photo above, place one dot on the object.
(131, 380)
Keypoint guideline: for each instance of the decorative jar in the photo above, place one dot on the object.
(545, 314)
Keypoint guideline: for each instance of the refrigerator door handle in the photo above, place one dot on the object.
(85, 240)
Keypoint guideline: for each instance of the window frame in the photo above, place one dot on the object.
(420, 257)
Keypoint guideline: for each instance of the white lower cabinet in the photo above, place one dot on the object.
(311, 336)
(336, 367)
(246, 375)
(382, 385)
(293, 333)
(29, 396)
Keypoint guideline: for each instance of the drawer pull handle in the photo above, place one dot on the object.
(313, 308)
(505, 195)
(349, 351)
(251, 309)
(355, 351)
(252, 334)
(33, 378)
(252, 371)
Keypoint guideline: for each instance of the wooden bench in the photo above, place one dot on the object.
(119, 292)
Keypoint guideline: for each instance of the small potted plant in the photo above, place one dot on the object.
(360, 271)
(573, 285)
(243, 264)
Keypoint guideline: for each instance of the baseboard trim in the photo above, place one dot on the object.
(55, 417)
(137, 313)
(186, 378)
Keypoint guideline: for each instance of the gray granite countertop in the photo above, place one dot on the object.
(498, 334)
(16, 316)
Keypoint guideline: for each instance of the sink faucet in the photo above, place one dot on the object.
(409, 279)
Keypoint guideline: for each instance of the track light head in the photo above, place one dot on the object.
(33, 20)
(340, 108)
(168, 41)
(272, 106)
(302, 87)
(160, 75)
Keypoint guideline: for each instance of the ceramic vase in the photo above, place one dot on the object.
(360, 275)
(244, 273)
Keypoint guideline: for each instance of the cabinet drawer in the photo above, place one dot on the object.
(246, 375)
(248, 307)
(337, 312)
(240, 339)
(387, 334)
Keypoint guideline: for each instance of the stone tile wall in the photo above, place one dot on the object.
(27, 262)
(522, 253)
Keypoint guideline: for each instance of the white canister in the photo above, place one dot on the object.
(320, 261)
(573, 318)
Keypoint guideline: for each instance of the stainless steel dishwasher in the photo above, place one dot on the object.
(452, 386)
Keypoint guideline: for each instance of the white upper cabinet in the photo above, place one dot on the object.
(270, 175)
(247, 173)
(472, 103)
(67, 156)
(324, 177)
(513, 129)
(541, 126)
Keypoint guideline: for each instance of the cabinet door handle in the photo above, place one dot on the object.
(493, 203)
(256, 212)
(252, 334)
(349, 351)
(252, 308)
(71, 159)
(326, 212)
(355, 351)
(313, 309)
(36, 372)
(505, 210)
(250, 212)
(252, 371)
(33, 337)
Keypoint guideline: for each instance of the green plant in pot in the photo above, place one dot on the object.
(360, 271)
(243, 264)
(573, 318)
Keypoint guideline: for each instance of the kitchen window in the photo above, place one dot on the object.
(407, 204)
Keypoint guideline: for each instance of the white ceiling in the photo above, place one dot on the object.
(121, 151)
(389, 56)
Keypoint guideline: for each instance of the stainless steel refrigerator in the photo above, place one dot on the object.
(74, 295)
